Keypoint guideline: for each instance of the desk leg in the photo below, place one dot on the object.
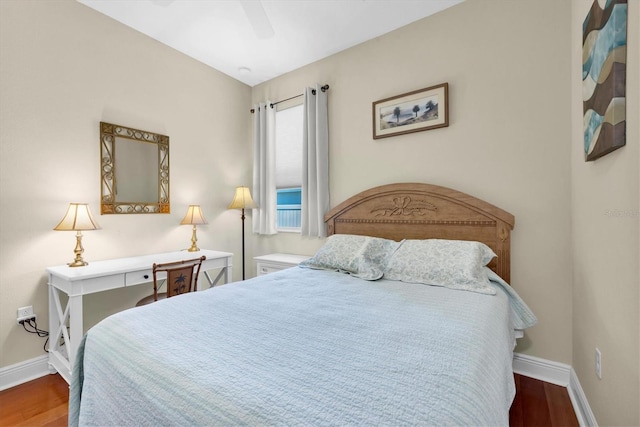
(227, 272)
(76, 327)
(61, 360)
(54, 323)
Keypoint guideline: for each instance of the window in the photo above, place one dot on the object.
(289, 168)
(288, 206)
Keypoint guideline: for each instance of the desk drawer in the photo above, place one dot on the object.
(88, 286)
(138, 277)
(266, 269)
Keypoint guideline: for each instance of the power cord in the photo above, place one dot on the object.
(35, 330)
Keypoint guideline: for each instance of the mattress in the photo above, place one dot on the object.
(304, 347)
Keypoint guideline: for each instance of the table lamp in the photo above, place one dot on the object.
(193, 217)
(242, 200)
(77, 218)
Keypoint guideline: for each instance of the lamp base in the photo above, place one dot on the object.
(194, 239)
(78, 262)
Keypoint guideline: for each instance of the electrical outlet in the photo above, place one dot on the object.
(598, 363)
(25, 313)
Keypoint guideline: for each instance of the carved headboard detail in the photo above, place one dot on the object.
(425, 211)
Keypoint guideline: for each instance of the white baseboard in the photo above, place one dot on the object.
(558, 374)
(13, 375)
(580, 403)
(541, 369)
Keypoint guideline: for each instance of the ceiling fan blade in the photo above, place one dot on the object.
(258, 18)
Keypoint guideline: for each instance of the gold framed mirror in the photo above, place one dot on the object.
(134, 168)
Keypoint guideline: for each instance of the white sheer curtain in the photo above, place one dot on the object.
(315, 163)
(264, 174)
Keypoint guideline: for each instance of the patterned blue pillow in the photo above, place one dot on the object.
(455, 264)
(361, 256)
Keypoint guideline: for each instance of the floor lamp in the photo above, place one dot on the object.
(242, 200)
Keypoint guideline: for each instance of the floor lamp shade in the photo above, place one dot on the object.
(77, 218)
(242, 200)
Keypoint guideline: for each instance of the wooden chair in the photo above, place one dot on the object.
(181, 277)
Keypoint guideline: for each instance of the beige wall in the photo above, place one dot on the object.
(606, 255)
(64, 68)
(508, 141)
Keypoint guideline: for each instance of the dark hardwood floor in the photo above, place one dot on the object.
(540, 404)
(43, 402)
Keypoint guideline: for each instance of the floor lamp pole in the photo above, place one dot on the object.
(241, 200)
(242, 243)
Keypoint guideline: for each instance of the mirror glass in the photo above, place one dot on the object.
(134, 169)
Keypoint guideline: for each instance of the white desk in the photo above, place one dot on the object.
(101, 276)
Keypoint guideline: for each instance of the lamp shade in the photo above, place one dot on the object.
(194, 216)
(242, 199)
(77, 218)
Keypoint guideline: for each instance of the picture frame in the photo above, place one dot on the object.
(416, 111)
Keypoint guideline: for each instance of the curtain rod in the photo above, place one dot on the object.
(323, 88)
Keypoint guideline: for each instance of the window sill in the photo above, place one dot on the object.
(289, 230)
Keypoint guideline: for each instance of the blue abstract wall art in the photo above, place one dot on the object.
(604, 57)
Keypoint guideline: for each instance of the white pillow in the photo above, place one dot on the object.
(361, 256)
(455, 264)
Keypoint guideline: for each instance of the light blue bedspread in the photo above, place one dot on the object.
(303, 347)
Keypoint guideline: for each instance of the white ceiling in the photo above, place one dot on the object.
(254, 41)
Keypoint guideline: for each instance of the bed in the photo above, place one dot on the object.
(352, 337)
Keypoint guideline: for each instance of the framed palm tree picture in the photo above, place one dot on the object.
(422, 109)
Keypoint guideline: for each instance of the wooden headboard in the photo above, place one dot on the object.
(424, 211)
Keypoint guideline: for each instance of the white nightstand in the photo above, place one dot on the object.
(266, 264)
